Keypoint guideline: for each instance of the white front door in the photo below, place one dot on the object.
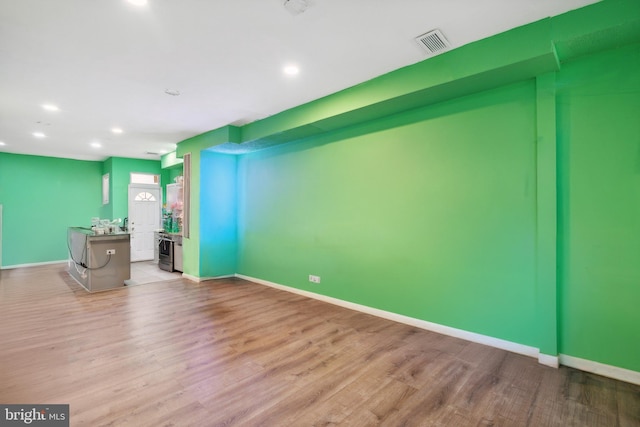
(144, 219)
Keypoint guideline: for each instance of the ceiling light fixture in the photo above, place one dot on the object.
(291, 70)
(138, 2)
(96, 145)
(296, 7)
(50, 107)
(172, 92)
(39, 134)
(2, 143)
(116, 130)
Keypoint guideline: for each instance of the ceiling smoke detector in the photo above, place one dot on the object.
(433, 42)
(296, 7)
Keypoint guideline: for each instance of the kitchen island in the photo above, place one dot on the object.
(99, 262)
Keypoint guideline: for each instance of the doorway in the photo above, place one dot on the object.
(144, 219)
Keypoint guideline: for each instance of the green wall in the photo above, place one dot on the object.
(599, 139)
(429, 214)
(42, 197)
(493, 188)
(218, 227)
(198, 247)
(119, 169)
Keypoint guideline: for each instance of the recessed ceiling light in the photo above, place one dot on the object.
(38, 134)
(172, 92)
(2, 143)
(296, 7)
(50, 107)
(116, 130)
(138, 2)
(291, 70)
(96, 145)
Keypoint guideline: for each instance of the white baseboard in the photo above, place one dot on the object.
(418, 323)
(204, 279)
(614, 372)
(194, 278)
(549, 360)
(34, 264)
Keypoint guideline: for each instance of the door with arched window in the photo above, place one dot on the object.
(144, 219)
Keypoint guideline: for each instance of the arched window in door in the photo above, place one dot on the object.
(145, 197)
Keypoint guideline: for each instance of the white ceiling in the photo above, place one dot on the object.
(107, 63)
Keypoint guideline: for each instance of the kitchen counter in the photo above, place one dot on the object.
(89, 232)
(99, 261)
(176, 237)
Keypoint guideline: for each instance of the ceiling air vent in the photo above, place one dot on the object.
(433, 42)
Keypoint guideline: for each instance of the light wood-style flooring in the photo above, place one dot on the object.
(234, 353)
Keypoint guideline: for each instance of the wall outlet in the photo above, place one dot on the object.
(111, 251)
(314, 279)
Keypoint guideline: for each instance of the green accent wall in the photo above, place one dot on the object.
(493, 188)
(41, 198)
(218, 216)
(429, 214)
(599, 146)
(119, 170)
(194, 244)
(546, 215)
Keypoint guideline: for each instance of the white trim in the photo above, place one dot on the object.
(548, 360)
(156, 178)
(422, 324)
(34, 264)
(614, 372)
(194, 278)
(105, 189)
(204, 279)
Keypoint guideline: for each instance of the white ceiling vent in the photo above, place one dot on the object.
(433, 42)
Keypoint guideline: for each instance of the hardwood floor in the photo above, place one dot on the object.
(230, 352)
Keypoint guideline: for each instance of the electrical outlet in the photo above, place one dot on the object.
(314, 279)
(111, 251)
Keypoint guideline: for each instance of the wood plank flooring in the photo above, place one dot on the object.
(233, 353)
